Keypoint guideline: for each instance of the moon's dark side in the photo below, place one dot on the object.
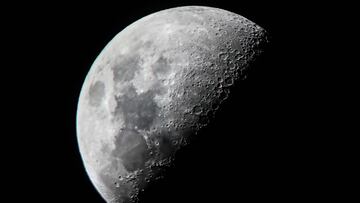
(153, 87)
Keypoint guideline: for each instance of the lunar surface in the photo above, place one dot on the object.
(154, 85)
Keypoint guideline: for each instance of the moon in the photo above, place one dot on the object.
(153, 87)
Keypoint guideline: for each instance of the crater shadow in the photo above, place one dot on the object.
(242, 154)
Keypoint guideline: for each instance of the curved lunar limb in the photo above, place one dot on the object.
(153, 86)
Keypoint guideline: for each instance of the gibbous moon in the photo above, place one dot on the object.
(153, 86)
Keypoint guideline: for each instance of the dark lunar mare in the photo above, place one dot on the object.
(139, 111)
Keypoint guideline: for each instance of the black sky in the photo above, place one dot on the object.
(274, 142)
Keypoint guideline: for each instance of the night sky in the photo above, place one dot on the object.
(274, 141)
